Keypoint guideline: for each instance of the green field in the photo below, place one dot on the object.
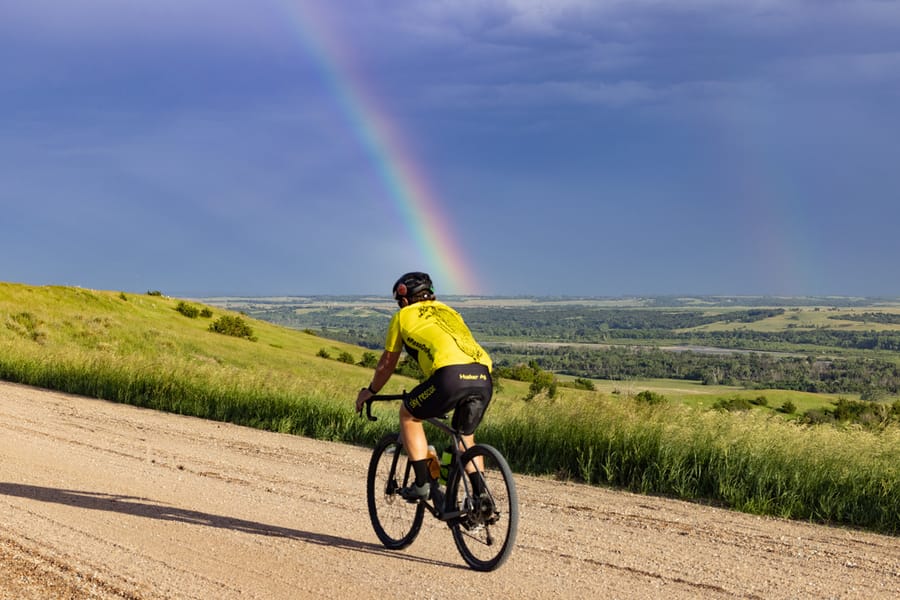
(141, 350)
(697, 395)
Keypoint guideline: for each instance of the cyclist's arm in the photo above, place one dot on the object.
(383, 371)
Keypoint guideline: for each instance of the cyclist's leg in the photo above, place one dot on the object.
(418, 405)
(476, 396)
(471, 471)
(413, 434)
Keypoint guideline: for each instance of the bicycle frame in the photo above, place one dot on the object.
(438, 511)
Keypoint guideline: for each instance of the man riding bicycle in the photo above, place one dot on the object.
(456, 367)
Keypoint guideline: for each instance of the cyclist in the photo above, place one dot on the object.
(456, 367)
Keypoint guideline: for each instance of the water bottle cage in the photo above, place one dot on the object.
(446, 459)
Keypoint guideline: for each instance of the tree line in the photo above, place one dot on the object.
(594, 325)
(870, 317)
(588, 322)
(868, 377)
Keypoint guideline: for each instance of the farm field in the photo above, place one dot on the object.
(698, 395)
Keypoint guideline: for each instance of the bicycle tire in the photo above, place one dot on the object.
(486, 531)
(396, 521)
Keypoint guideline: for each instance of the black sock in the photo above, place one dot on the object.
(477, 482)
(420, 468)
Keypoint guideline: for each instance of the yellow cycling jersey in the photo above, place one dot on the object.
(435, 335)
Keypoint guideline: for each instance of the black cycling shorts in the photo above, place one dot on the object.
(464, 389)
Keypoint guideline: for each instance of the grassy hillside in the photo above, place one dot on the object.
(139, 349)
(74, 326)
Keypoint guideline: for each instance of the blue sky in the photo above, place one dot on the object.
(598, 147)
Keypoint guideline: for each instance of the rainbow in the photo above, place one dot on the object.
(404, 178)
(777, 235)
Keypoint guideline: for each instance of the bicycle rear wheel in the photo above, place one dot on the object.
(396, 521)
(486, 531)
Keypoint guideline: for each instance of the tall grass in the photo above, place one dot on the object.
(200, 392)
(748, 462)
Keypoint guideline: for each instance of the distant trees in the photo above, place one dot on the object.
(586, 324)
(750, 369)
(869, 317)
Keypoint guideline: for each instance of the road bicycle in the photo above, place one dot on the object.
(484, 525)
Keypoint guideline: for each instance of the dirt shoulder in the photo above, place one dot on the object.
(100, 500)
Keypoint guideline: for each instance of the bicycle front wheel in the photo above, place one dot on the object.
(486, 530)
(396, 521)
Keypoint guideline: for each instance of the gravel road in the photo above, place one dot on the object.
(100, 500)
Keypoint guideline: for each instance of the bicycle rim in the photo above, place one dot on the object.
(486, 532)
(396, 521)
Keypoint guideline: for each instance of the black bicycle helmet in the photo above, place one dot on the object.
(411, 285)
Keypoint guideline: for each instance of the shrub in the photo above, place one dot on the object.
(732, 404)
(868, 414)
(154, 293)
(346, 357)
(552, 388)
(233, 326)
(410, 368)
(649, 397)
(188, 310)
(788, 408)
(520, 372)
(871, 394)
(760, 401)
(323, 353)
(541, 380)
(369, 359)
(580, 383)
(817, 416)
(206, 313)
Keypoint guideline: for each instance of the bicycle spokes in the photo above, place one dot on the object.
(396, 522)
(485, 531)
